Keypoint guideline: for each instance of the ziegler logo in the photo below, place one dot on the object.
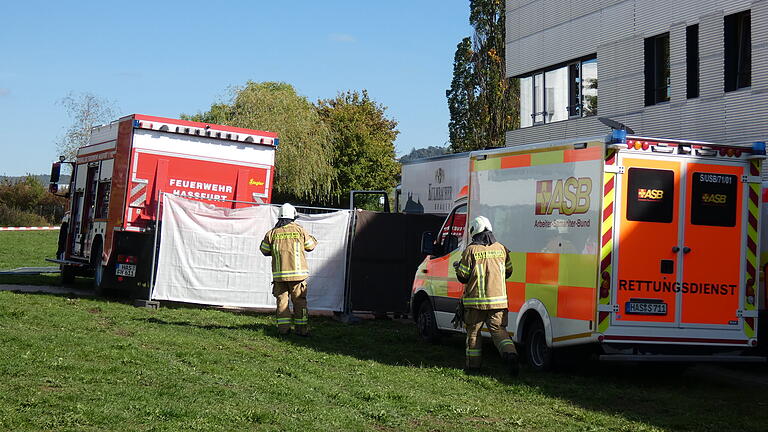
(439, 175)
(650, 194)
(569, 196)
(253, 182)
(710, 198)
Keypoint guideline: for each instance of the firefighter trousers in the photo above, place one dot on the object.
(496, 321)
(297, 291)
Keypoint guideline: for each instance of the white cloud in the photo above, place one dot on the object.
(342, 37)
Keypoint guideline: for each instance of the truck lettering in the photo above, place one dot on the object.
(568, 196)
(188, 184)
(705, 288)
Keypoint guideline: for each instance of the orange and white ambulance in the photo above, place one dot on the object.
(646, 248)
(118, 177)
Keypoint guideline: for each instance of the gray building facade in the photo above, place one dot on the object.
(679, 69)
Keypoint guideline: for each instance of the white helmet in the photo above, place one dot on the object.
(478, 225)
(287, 211)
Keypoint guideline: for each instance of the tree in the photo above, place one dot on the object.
(422, 153)
(483, 103)
(461, 98)
(303, 158)
(362, 139)
(86, 110)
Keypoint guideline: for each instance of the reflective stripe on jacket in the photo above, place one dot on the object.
(287, 245)
(484, 270)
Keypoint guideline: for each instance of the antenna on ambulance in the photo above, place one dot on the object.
(613, 124)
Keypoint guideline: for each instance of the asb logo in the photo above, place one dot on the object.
(650, 194)
(711, 198)
(567, 196)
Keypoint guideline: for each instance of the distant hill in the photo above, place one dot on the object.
(424, 153)
(43, 178)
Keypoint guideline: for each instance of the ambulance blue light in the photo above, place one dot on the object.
(758, 147)
(276, 142)
(136, 123)
(618, 136)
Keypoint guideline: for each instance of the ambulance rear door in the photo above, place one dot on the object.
(681, 232)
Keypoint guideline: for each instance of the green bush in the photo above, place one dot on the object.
(10, 216)
(28, 203)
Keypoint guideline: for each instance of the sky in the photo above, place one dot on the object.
(165, 58)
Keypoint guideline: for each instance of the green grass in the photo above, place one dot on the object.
(91, 364)
(28, 249)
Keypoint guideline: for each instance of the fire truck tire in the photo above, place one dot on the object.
(67, 274)
(426, 324)
(538, 354)
(98, 269)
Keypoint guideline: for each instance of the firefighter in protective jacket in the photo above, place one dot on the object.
(484, 267)
(286, 243)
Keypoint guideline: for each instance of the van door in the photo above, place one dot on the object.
(712, 249)
(648, 231)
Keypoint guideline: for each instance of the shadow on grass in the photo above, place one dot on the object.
(674, 397)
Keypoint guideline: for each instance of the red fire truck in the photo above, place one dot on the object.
(118, 180)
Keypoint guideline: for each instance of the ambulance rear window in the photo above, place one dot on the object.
(650, 195)
(713, 199)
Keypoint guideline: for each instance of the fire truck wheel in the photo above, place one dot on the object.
(98, 269)
(538, 354)
(67, 274)
(426, 324)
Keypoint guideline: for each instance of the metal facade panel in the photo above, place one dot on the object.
(531, 18)
(653, 16)
(579, 8)
(760, 46)
(555, 12)
(677, 62)
(662, 120)
(603, 27)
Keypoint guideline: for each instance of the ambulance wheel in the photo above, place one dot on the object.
(67, 274)
(426, 324)
(538, 354)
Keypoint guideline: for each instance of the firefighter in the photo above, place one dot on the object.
(484, 267)
(286, 244)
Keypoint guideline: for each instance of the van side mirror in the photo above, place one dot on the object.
(428, 243)
(53, 186)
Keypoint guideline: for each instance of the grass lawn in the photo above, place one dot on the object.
(92, 364)
(28, 249)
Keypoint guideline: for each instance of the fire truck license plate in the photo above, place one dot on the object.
(126, 270)
(646, 308)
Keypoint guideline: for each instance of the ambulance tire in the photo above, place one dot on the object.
(537, 353)
(426, 323)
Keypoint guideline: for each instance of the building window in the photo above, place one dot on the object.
(692, 61)
(657, 76)
(738, 51)
(559, 93)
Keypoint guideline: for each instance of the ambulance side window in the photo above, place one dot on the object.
(650, 195)
(453, 230)
(713, 199)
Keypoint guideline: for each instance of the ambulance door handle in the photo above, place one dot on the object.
(686, 249)
(675, 249)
